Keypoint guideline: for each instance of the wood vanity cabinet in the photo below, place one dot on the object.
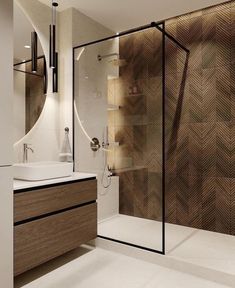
(49, 221)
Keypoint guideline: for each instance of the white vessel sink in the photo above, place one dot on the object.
(42, 170)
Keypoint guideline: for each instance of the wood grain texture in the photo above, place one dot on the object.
(39, 241)
(201, 146)
(199, 122)
(42, 201)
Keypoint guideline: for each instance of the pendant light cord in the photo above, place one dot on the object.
(54, 6)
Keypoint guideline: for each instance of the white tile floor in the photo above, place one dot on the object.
(99, 268)
(87, 268)
(204, 248)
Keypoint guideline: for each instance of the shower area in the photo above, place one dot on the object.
(119, 117)
(154, 119)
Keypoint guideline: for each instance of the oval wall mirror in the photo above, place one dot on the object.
(30, 86)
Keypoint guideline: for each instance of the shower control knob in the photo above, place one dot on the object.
(105, 145)
(95, 144)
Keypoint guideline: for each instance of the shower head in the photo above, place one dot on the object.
(116, 62)
(101, 57)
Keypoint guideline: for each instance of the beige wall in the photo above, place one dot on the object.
(66, 71)
(6, 78)
(91, 79)
(6, 195)
(91, 86)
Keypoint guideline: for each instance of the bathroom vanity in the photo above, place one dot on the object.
(52, 217)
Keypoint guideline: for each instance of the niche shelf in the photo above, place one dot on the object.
(134, 95)
(112, 107)
(114, 144)
(130, 168)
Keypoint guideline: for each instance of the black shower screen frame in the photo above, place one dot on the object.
(161, 27)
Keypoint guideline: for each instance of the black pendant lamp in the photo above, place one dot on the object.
(55, 75)
(53, 57)
(34, 51)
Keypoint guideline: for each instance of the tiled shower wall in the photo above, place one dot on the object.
(200, 122)
(200, 116)
(136, 126)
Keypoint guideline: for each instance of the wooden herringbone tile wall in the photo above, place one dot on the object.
(201, 131)
(137, 125)
(200, 122)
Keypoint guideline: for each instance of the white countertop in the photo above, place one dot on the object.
(20, 184)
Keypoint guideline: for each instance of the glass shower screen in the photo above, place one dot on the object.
(118, 94)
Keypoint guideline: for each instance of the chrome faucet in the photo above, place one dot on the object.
(25, 155)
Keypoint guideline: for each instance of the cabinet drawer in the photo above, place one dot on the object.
(41, 240)
(46, 200)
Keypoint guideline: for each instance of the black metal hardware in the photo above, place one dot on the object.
(55, 75)
(161, 27)
(34, 51)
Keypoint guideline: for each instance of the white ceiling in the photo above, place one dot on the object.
(119, 15)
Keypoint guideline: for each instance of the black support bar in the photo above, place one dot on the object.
(155, 24)
(138, 29)
(151, 25)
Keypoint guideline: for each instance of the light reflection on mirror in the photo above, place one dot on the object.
(29, 87)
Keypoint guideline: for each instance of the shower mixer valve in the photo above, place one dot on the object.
(95, 144)
(105, 145)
